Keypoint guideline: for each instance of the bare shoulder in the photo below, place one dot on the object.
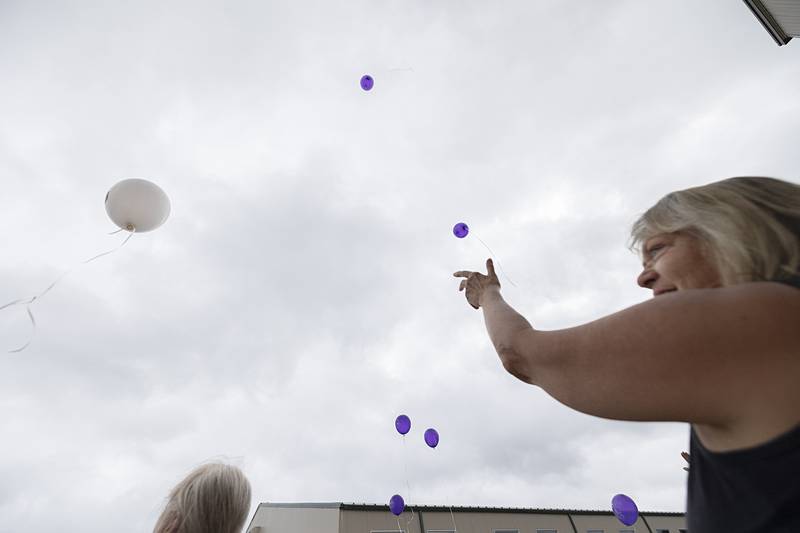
(721, 358)
(775, 307)
(770, 287)
(775, 409)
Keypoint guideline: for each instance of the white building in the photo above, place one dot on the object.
(369, 518)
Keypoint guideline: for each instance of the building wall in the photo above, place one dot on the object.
(366, 521)
(294, 520)
(332, 520)
(672, 523)
(489, 522)
(610, 524)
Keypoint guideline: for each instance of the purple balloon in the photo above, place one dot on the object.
(397, 505)
(460, 230)
(403, 424)
(431, 437)
(367, 82)
(624, 509)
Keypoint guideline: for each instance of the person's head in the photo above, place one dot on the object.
(721, 234)
(213, 498)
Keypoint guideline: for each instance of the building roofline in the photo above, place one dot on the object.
(768, 21)
(442, 508)
(303, 505)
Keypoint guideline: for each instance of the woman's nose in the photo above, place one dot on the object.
(647, 278)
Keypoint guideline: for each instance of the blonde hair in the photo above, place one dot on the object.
(748, 226)
(213, 498)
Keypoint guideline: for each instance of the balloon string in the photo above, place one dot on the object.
(408, 485)
(30, 301)
(452, 517)
(498, 262)
(113, 250)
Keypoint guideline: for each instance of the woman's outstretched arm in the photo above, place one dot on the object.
(724, 357)
(710, 356)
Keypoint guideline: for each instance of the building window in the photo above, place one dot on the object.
(442, 531)
(627, 531)
(662, 530)
(387, 531)
(546, 531)
(595, 531)
(506, 531)
(681, 530)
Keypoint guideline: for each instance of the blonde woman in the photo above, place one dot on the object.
(723, 262)
(213, 498)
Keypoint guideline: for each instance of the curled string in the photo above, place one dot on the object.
(112, 250)
(29, 301)
(498, 262)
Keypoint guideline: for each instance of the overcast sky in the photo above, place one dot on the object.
(301, 296)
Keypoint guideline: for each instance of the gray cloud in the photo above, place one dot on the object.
(301, 294)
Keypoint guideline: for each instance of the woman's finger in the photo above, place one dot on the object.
(462, 285)
(490, 268)
(462, 274)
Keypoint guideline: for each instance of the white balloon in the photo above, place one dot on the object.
(137, 204)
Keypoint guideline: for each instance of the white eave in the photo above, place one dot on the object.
(781, 18)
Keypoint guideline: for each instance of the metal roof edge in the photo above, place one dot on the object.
(304, 505)
(443, 508)
(768, 21)
(250, 524)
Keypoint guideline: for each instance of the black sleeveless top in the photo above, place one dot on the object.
(754, 490)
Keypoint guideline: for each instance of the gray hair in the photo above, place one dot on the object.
(213, 498)
(748, 226)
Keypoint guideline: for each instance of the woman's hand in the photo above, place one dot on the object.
(478, 284)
